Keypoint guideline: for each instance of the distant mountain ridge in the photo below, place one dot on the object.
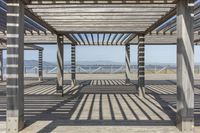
(96, 63)
(33, 63)
(46, 63)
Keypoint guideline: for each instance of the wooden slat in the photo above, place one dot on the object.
(46, 6)
(161, 21)
(36, 2)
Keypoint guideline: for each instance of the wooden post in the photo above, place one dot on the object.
(60, 64)
(127, 63)
(15, 66)
(1, 63)
(40, 65)
(73, 65)
(141, 66)
(185, 66)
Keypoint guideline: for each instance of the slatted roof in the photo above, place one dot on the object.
(35, 38)
(26, 47)
(30, 25)
(160, 39)
(97, 22)
(170, 25)
(33, 26)
(101, 22)
(73, 18)
(99, 1)
(102, 38)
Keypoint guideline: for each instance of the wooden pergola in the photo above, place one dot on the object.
(100, 22)
(27, 47)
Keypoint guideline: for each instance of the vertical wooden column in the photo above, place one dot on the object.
(15, 66)
(1, 63)
(73, 65)
(60, 64)
(127, 64)
(185, 66)
(141, 66)
(40, 64)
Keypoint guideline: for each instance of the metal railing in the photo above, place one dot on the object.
(82, 69)
(149, 69)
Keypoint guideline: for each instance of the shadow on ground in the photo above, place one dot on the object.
(100, 102)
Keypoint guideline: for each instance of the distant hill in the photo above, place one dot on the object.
(33, 63)
(96, 63)
(45, 63)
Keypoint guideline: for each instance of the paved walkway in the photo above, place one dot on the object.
(100, 106)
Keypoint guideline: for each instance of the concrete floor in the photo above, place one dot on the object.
(101, 106)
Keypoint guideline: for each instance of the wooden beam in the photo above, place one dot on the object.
(60, 65)
(15, 66)
(87, 17)
(131, 37)
(60, 2)
(141, 66)
(26, 47)
(75, 38)
(1, 63)
(39, 21)
(98, 6)
(73, 65)
(71, 39)
(161, 21)
(185, 66)
(101, 14)
(40, 65)
(127, 64)
(34, 47)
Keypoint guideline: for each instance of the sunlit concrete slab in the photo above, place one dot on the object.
(100, 105)
(133, 76)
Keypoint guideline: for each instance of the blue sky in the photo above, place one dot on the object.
(153, 54)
